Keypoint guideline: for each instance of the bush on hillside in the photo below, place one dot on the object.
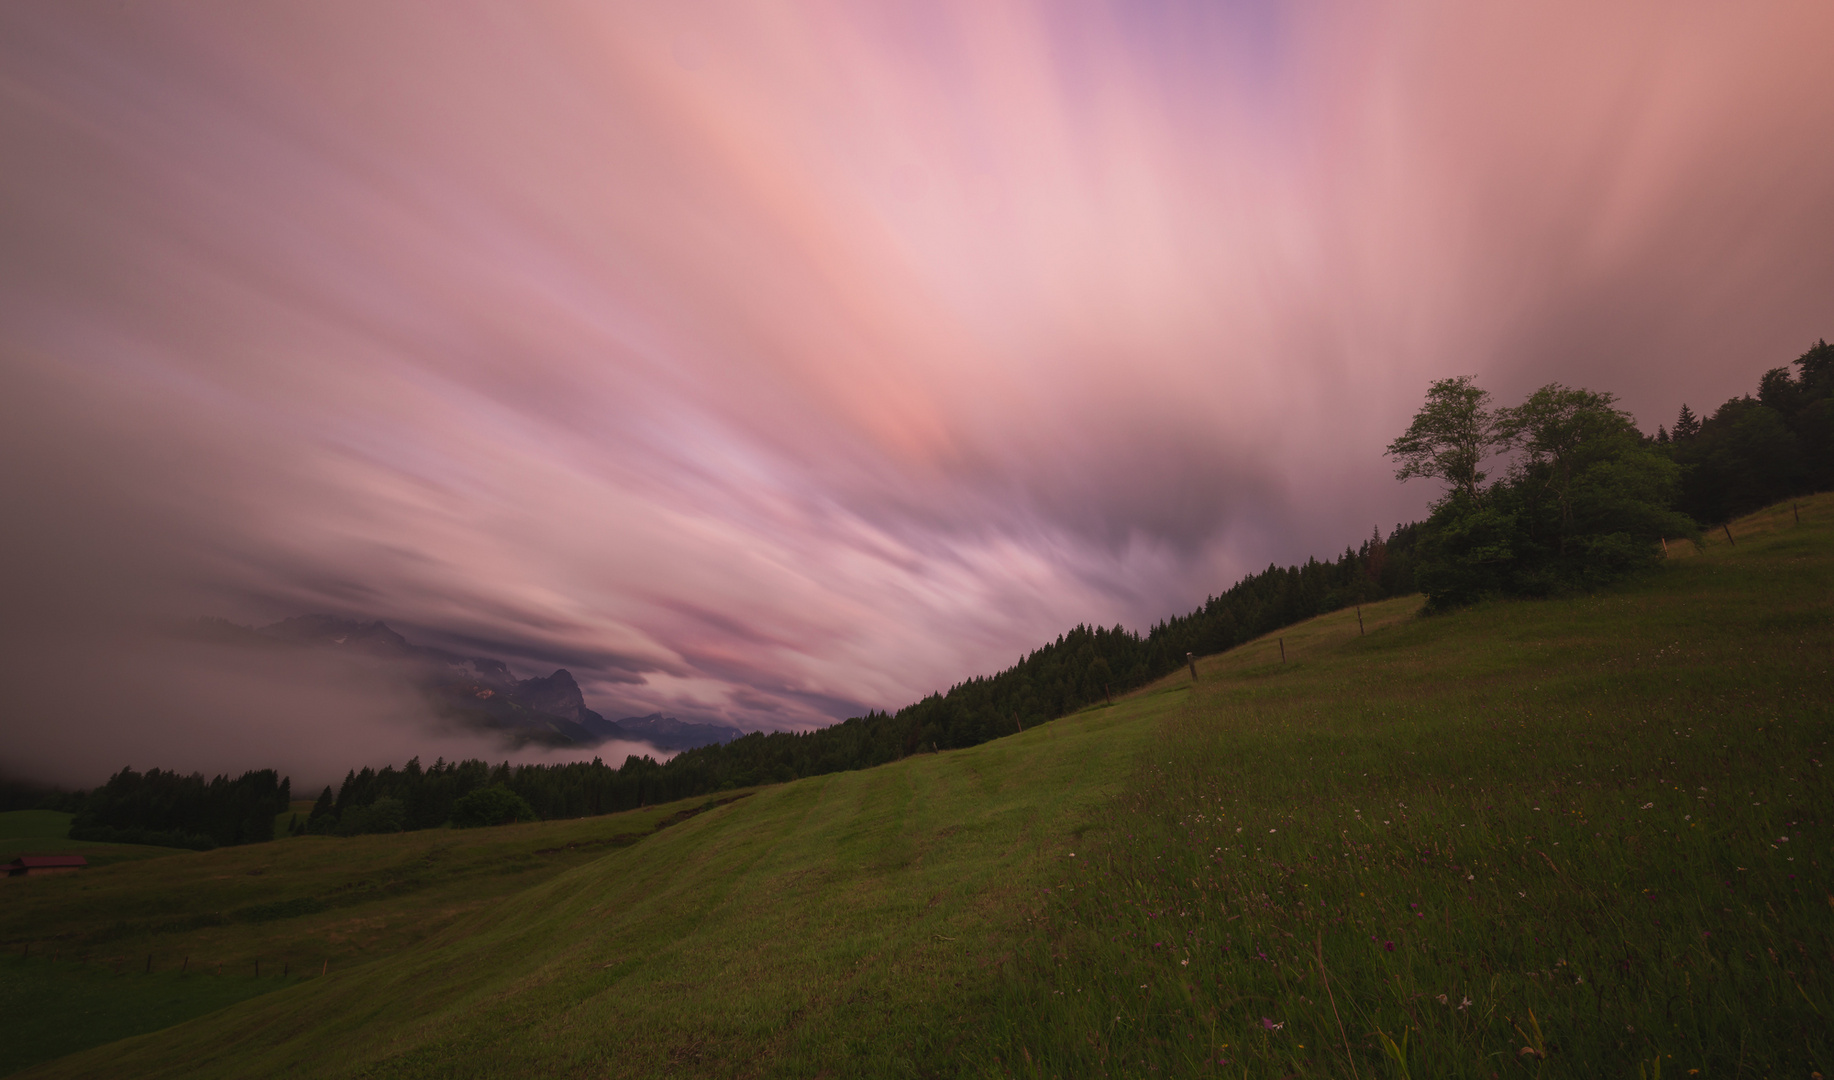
(493, 805)
(386, 815)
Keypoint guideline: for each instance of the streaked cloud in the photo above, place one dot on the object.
(769, 363)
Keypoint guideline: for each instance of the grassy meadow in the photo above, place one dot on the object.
(305, 904)
(1574, 837)
(42, 832)
(1582, 837)
(49, 1008)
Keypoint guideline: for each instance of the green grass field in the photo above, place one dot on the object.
(1576, 837)
(42, 832)
(309, 903)
(49, 1009)
(1585, 837)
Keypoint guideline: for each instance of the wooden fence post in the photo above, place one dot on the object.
(1729, 540)
(1191, 659)
(1796, 510)
(1360, 632)
(1283, 650)
(1665, 547)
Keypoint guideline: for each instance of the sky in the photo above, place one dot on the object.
(769, 363)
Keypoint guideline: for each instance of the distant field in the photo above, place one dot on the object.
(1575, 837)
(191, 933)
(42, 832)
(309, 902)
(300, 808)
(33, 825)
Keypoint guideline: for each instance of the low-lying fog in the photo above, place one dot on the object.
(155, 698)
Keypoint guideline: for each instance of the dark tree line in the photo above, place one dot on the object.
(1085, 666)
(177, 810)
(1081, 667)
(1753, 452)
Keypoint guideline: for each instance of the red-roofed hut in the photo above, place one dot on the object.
(34, 865)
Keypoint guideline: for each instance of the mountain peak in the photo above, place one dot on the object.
(556, 695)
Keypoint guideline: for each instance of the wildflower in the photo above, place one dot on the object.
(1184, 963)
(1389, 945)
(1270, 1025)
(1465, 1004)
(1443, 1000)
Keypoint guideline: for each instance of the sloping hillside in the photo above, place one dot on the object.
(1527, 808)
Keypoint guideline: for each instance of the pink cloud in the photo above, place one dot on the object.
(769, 364)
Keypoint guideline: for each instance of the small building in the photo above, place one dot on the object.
(35, 865)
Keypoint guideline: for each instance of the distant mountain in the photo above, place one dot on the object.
(476, 691)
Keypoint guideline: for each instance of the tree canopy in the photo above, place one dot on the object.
(1451, 436)
(1588, 498)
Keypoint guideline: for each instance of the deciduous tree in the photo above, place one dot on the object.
(1450, 437)
(1562, 430)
